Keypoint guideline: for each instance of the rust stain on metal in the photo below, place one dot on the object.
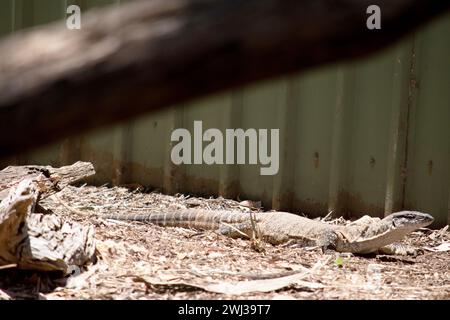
(430, 167)
(414, 84)
(230, 190)
(123, 172)
(372, 162)
(316, 160)
(175, 180)
(201, 186)
(412, 92)
(352, 206)
(283, 201)
(309, 207)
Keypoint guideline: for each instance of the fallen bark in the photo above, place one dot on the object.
(40, 242)
(147, 55)
(49, 179)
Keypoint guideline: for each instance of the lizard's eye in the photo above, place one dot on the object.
(398, 222)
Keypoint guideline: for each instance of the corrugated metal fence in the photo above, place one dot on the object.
(371, 136)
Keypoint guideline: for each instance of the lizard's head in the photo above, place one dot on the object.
(389, 230)
(410, 220)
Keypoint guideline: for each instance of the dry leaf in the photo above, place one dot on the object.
(443, 247)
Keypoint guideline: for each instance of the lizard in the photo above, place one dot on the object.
(363, 236)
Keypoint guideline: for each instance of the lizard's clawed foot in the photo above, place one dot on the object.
(400, 250)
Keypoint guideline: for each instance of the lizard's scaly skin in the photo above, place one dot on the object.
(362, 236)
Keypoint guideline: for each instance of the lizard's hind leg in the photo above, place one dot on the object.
(236, 230)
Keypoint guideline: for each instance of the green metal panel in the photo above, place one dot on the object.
(7, 17)
(367, 137)
(369, 131)
(428, 173)
(44, 11)
(314, 102)
(258, 112)
(205, 178)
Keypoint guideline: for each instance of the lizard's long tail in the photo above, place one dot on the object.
(188, 218)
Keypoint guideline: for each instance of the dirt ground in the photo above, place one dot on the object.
(141, 261)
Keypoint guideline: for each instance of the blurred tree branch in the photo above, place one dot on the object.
(146, 55)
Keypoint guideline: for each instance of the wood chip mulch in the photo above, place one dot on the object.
(141, 261)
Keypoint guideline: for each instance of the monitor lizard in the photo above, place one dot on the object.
(363, 236)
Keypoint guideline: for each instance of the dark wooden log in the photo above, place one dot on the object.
(147, 55)
(40, 242)
(49, 179)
